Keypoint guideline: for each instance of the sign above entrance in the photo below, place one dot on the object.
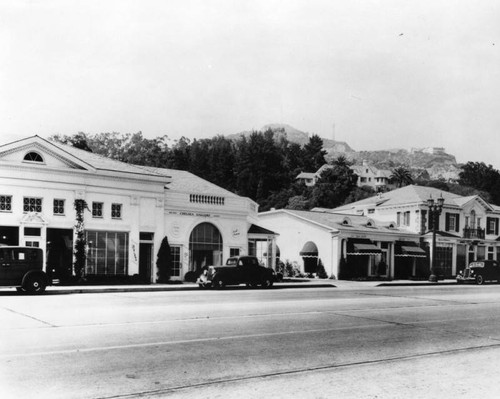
(197, 214)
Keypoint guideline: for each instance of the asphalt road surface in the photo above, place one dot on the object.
(395, 342)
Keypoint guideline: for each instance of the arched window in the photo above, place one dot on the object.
(33, 157)
(205, 246)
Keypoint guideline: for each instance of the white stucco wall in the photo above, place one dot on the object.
(294, 233)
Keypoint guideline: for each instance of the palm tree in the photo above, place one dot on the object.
(401, 176)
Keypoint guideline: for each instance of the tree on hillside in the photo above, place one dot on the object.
(221, 162)
(401, 176)
(179, 155)
(199, 153)
(333, 187)
(259, 166)
(342, 161)
(482, 177)
(314, 155)
(478, 175)
(360, 193)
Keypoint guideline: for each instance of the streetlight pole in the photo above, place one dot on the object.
(435, 209)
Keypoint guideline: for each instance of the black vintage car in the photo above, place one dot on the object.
(479, 272)
(238, 270)
(22, 267)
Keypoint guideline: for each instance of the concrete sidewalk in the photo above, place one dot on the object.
(287, 284)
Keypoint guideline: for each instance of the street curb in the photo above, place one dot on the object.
(95, 289)
(423, 283)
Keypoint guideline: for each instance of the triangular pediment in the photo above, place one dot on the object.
(36, 151)
(477, 204)
(33, 218)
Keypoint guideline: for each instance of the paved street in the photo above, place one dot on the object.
(373, 342)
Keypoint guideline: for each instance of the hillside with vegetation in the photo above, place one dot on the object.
(264, 166)
(423, 165)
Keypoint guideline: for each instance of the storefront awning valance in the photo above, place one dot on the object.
(309, 249)
(365, 247)
(409, 249)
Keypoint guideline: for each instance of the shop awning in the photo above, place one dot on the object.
(255, 229)
(309, 249)
(365, 247)
(410, 250)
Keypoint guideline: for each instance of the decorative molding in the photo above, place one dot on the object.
(33, 218)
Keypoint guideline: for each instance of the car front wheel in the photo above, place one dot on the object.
(34, 284)
(479, 279)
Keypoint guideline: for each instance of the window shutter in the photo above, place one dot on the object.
(423, 220)
(488, 224)
(496, 226)
(457, 222)
(447, 222)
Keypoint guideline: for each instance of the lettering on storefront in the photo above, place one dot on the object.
(197, 214)
(134, 251)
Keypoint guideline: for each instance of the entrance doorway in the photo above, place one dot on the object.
(205, 247)
(60, 254)
(146, 257)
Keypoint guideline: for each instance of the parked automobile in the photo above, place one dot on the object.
(238, 270)
(479, 272)
(22, 267)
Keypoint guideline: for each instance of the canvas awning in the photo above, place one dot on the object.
(309, 249)
(365, 247)
(409, 249)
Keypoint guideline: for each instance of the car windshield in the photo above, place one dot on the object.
(477, 264)
(231, 262)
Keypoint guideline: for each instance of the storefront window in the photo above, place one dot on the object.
(107, 253)
(205, 246)
(444, 259)
(234, 252)
(175, 253)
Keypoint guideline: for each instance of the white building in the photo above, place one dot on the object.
(130, 210)
(392, 227)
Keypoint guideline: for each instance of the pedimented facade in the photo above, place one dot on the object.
(131, 209)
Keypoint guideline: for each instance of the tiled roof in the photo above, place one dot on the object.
(187, 182)
(335, 221)
(181, 180)
(406, 195)
(101, 162)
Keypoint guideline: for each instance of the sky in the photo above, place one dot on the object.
(377, 74)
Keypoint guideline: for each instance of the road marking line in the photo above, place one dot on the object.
(184, 341)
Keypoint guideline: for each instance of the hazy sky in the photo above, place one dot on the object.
(386, 73)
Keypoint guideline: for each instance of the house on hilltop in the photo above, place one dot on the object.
(368, 175)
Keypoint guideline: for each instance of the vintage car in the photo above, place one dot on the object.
(22, 268)
(479, 272)
(238, 270)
